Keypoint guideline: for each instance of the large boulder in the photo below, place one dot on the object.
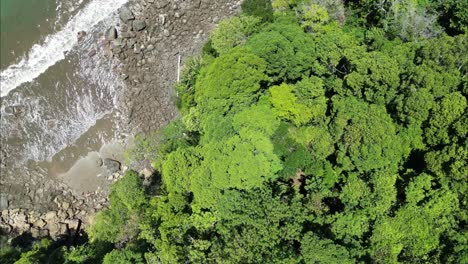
(112, 166)
(126, 14)
(111, 34)
(139, 25)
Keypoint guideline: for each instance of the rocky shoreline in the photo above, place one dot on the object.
(149, 41)
(153, 36)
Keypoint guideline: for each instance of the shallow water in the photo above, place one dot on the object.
(58, 94)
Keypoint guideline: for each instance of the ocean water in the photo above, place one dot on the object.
(54, 87)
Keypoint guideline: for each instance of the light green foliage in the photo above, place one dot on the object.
(128, 191)
(316, 250)
(416, 106)
(87, 253)
(225, 87)
(233, 32)
(316, 139)
(122, 257)
(450, 164)
(285, 102)
(310, 92)
(418, 188)
(258, 118)
(384, 193)
(365, 135)
(185, 87)
(414, 229)
(314, 15)
(312, 12)
(236, 75)
(330, 49)
(351, 225)
(445, 112)
(238, 162)
(178, 168)
(354, 191)
(300, 103)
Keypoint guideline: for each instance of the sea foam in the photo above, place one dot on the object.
(54, 47)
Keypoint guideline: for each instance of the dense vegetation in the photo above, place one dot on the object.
(312, 132)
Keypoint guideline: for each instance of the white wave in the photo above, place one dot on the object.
(41, 57)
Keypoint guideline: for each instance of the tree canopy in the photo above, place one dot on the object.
(320, 131)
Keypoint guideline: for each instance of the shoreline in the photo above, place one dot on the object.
(148, 46)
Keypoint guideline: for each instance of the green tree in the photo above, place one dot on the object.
(287, 49)
(233, 32)
(122, 257)
(317, 250)
(258, 8)
(120, 221)
(365, 135)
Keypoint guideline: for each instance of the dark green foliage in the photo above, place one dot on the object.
(365, 135)
(123, 257)
(287, 50)
(453, 15)
(9, 255)
(45, 251)
(259, 8)
(119, 223)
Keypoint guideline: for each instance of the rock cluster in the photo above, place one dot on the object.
(149, 40)
(68, 216)
(151, 36)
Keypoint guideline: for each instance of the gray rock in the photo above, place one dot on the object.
(3, 201)
(63, 228)
(117, 43)
(65, 205)
(44, 233)
(35, 232)
(5, 228)
(147, 172)
(111, 33)
(139, 25)
(50, 215)
(127, 35)
(126, 14)
(72, 223)
(137, 49)
(81, 35)
(39, 223)
(62, 214)
(54, 228)
(112, 165)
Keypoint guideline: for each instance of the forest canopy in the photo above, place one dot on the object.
(318, 131)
